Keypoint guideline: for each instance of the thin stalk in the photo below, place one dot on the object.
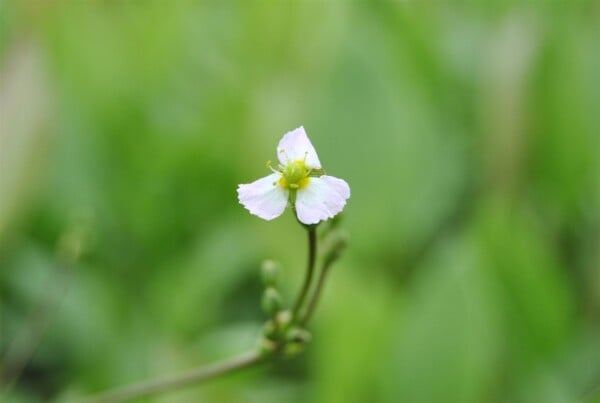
(312, 304)
(200, 374)
(312, 253)
(223, 367)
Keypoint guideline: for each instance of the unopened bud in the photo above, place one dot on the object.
(271, 301)
(266, 347)
(269, 272)
(270, 330)
(298, 335)
(292, 349)
(284, 319)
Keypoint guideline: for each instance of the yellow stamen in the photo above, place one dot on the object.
(295, 175)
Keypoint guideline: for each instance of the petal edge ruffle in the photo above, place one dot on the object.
(263, 197)
(322, 199)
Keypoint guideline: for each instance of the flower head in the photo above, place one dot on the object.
(298, 180)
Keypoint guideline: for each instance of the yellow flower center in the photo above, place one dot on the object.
(295, 176)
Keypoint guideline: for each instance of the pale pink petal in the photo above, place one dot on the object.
(294, 146)
(264, 197)
(323, 198)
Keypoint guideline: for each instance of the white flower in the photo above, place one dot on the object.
(300, 180)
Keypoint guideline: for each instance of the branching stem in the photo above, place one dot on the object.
(245, 360)
(177, 381)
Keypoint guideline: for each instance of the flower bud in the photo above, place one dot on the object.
(266, 347)
(292, 349)
(271, 301)
(284, 319)
(269, 272)
(298, 335)
(270, 330)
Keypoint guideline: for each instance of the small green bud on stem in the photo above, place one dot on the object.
(292, 349)
(298, 335)
(269, 272)
(271, 301)
(266, 346)
(284, 319)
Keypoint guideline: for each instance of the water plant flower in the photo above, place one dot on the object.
(298, 181)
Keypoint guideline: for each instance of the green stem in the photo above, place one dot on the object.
(196, 375)
(312, 253)
(312, 304)
(226, 366)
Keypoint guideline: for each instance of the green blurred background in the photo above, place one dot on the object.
(469, 134)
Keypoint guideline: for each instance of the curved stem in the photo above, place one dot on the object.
(312, 253)
(226, 366)
(312, 304)
(196, 375)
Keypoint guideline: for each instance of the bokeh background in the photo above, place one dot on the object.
(469, 134)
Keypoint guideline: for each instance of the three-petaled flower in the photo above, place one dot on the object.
(300, 181)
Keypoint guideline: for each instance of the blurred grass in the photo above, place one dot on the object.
(468, 133)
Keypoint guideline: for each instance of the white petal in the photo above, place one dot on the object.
(294, 146)
(323, 198)
(264, 197)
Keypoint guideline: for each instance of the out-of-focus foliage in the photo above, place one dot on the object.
(469, 135)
